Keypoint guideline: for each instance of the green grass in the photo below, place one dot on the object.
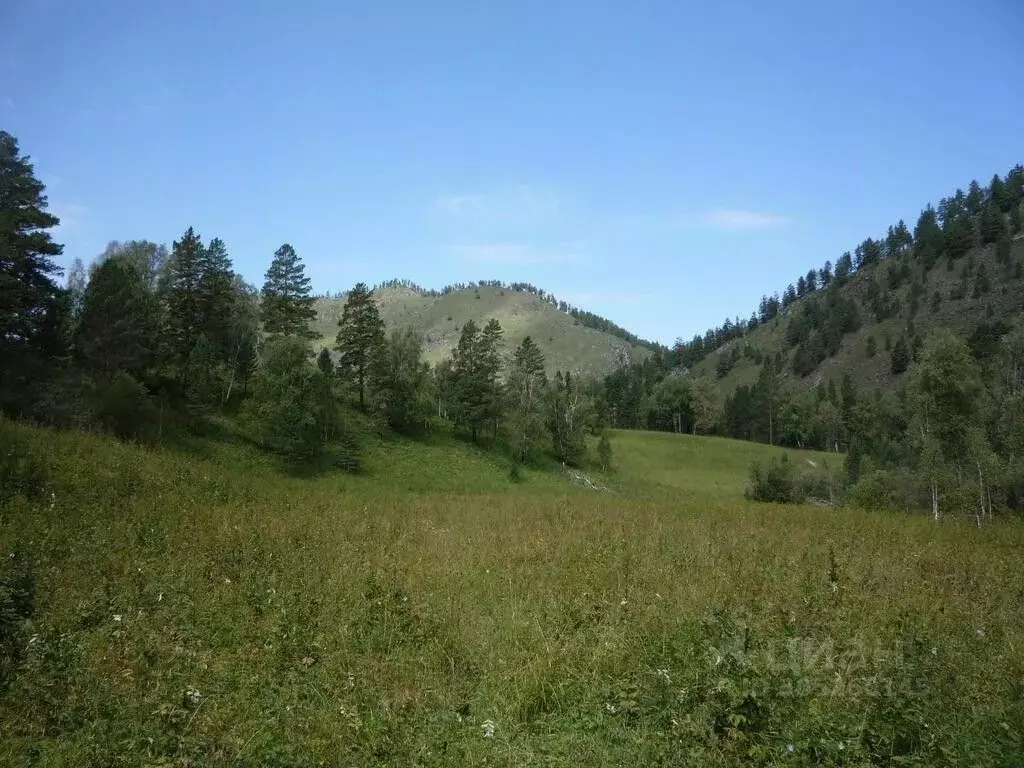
(384, 618)
(565, 344)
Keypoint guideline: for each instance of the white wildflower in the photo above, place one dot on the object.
(610, 707)
(117, 618)
(789, 747)
(979, 632)
(193, 696)
(488, 727)
(623, 601)
(663, 673)
(935, 651)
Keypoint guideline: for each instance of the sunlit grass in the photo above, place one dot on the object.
(388, 617)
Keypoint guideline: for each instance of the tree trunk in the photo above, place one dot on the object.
(935, 501)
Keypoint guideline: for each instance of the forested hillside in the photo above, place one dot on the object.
(571, 339)
(156, 344)
(907, 353)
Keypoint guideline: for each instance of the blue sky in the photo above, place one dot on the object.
(661, 163)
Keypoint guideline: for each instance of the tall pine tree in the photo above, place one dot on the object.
(30, 301)
(360, 336)
(287, 307)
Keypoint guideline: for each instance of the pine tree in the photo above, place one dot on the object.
(324, 362)
(286, 304)
(470, 383)
(490, 360)
(30, 301)
(116, 329)
(992, 223)
(526, 389)
(217, 295)
(900, 356)
(184, 302)
(928, 239)
(360, 336)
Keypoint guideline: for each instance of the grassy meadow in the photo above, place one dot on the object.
(199, 606)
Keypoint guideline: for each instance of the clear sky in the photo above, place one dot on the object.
(661, 163)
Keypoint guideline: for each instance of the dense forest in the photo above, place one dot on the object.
(947, 433)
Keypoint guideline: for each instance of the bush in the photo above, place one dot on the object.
(122, 406)
(774, 482)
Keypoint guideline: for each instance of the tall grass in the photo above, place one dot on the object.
(209, 610)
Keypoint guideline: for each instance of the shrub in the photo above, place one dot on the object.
(122, 406)
(774, 481)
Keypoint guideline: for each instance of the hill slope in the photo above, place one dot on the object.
(566, 343)
(977, 291)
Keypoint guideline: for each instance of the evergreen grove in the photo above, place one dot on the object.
(149, 343)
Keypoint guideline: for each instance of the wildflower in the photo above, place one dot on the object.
(789, 747)
(979, 632)
(117, 618)
(623, 602)
(610, 707)
(227, 580)
(193, 696)
(488, 727)
(835, 586)
(935, 651)
(308, 661)
(663, 673)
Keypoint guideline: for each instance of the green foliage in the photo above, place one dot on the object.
(286, 306)
(900, 357)
(290, 408)
(526, 390)
(871, 347)
(774, 481)
(402, 385)
(31, 304)
(360, 337)
(477, 392)
(118, 324)
(122, 406)
(567, 419)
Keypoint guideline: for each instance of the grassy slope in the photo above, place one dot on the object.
(566, 345)
(382, 619)
(1006, 300)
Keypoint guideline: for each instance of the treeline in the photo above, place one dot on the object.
(950, 435)
(584, 318)
(979, 216)
(147, 342)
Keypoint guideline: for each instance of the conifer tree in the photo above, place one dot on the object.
(526, 389)
(184, 302)
(360, 336)
(30, 301)
(286, 304)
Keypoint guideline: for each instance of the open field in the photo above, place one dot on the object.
(203, 608)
